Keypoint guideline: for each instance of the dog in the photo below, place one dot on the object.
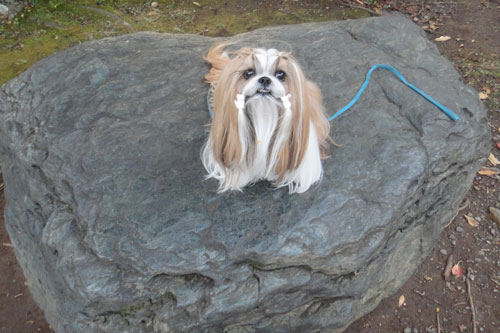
(268, 121)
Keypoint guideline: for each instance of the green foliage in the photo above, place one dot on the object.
(47, 26)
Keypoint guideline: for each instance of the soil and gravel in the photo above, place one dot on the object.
(427, 302)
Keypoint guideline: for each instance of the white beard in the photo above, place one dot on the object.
(263, 130)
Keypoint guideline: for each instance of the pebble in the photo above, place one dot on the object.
(472, 277)
(480, 252)
(407, 330)
(459, 229)
(4, 10)
(443, 252)
(477, 259)
(453, 242)
(452, 236)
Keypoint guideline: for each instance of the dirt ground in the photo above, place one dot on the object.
(426, 303)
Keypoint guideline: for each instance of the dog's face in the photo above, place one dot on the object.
(264, 75)
(257, 73)
(265, 116)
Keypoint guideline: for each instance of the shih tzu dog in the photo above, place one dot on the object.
(268, 121)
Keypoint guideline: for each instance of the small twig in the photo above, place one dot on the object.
(473, 310)
(109, 14)
(494, 279)
(437, 318)
(367, 9)
(291, 13)
(465, 205)
(431, 31)
(453, 218)
(7, 244)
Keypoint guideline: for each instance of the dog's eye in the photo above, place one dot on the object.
(248, 73)
(280, 75)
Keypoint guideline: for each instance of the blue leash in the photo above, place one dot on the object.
(447, 111)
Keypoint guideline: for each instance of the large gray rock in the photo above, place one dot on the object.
(117, 231)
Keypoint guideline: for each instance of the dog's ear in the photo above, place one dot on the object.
(218, 59)
(314, 106)
(307, 109)
(225, 137)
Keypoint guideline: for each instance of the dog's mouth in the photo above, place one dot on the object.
(263, 91)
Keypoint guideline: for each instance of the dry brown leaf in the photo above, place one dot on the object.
(196, 4)
(472, 221)
(483, 95)
(447, 269)
(442, 39)
(488, 172)
(493, 160)
(401, 301)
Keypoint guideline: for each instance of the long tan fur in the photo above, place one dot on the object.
(306, 106)
(306, 103)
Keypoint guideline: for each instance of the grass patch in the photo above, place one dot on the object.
(47, 26)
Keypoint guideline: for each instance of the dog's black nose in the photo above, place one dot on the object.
(264, 81)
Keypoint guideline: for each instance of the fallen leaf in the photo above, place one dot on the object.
(196, 4)
(456, 270)
(427, 278)
(401, 301)
(472, 222)
(152, 14)
(433, 25)
(483, 95)
(442, 39)
(447, 269)
(493, 160)
(488, 171)
(421, 293)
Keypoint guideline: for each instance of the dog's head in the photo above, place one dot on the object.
(265, 75)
